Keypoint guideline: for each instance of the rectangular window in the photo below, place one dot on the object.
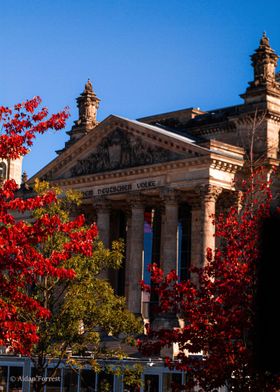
(15, 379)
(70, 380)
(87, 380)
(170, 381)
(53, 380)
(105, 382)
(151, 382)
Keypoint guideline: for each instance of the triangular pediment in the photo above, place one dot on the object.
(118, 144)
(121, 150)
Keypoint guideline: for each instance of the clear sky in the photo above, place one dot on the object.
(143, 57)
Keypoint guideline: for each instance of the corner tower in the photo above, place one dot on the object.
(260, 122)
(264, 62)
(88, 104)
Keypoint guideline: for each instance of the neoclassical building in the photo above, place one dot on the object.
(156, 181)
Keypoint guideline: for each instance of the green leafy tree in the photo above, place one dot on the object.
(81, 308)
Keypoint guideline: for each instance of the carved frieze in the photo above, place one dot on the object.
(120, 150)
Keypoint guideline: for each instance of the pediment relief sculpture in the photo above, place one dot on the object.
(120, 150)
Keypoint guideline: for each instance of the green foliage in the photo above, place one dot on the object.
(131, 374)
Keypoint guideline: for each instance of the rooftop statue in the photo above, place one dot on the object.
(88, 87)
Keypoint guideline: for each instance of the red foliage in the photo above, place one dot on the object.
(219, 310)
(21, 262)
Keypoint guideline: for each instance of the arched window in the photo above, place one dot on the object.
(3, 170)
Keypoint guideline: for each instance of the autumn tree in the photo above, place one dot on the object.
(217, 342)
(20, 261)
(81, 308)
(51, 301)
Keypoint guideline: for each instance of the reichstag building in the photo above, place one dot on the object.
(156, 181)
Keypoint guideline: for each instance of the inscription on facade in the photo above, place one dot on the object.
(113, 189)
(126, 187)
(123, 187)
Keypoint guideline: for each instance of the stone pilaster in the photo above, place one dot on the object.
(169, 236)
(134, 271)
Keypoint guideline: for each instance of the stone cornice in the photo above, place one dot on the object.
(275, 117)
(216, 161)
(223, 127)
(263, 114)
(224, 166)
(249, 117)
(120, 174)
(262, 91)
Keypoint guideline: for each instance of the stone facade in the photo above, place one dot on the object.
(158, 180)
(11, 170)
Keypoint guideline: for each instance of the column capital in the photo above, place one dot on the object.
(102, 204)
(209, 192)
(136, 201)
(169, 195)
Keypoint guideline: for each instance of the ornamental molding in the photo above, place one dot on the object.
(263, 115)
(225, 166)
(154, 170)
(274, 117)
(208, 130)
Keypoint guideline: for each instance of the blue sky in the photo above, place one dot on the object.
(143, 57)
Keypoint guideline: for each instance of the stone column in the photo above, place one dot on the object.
(103, 224)
(169, 257)
(209, 195)
(134, 271)
(169, 236)
(103, 221)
